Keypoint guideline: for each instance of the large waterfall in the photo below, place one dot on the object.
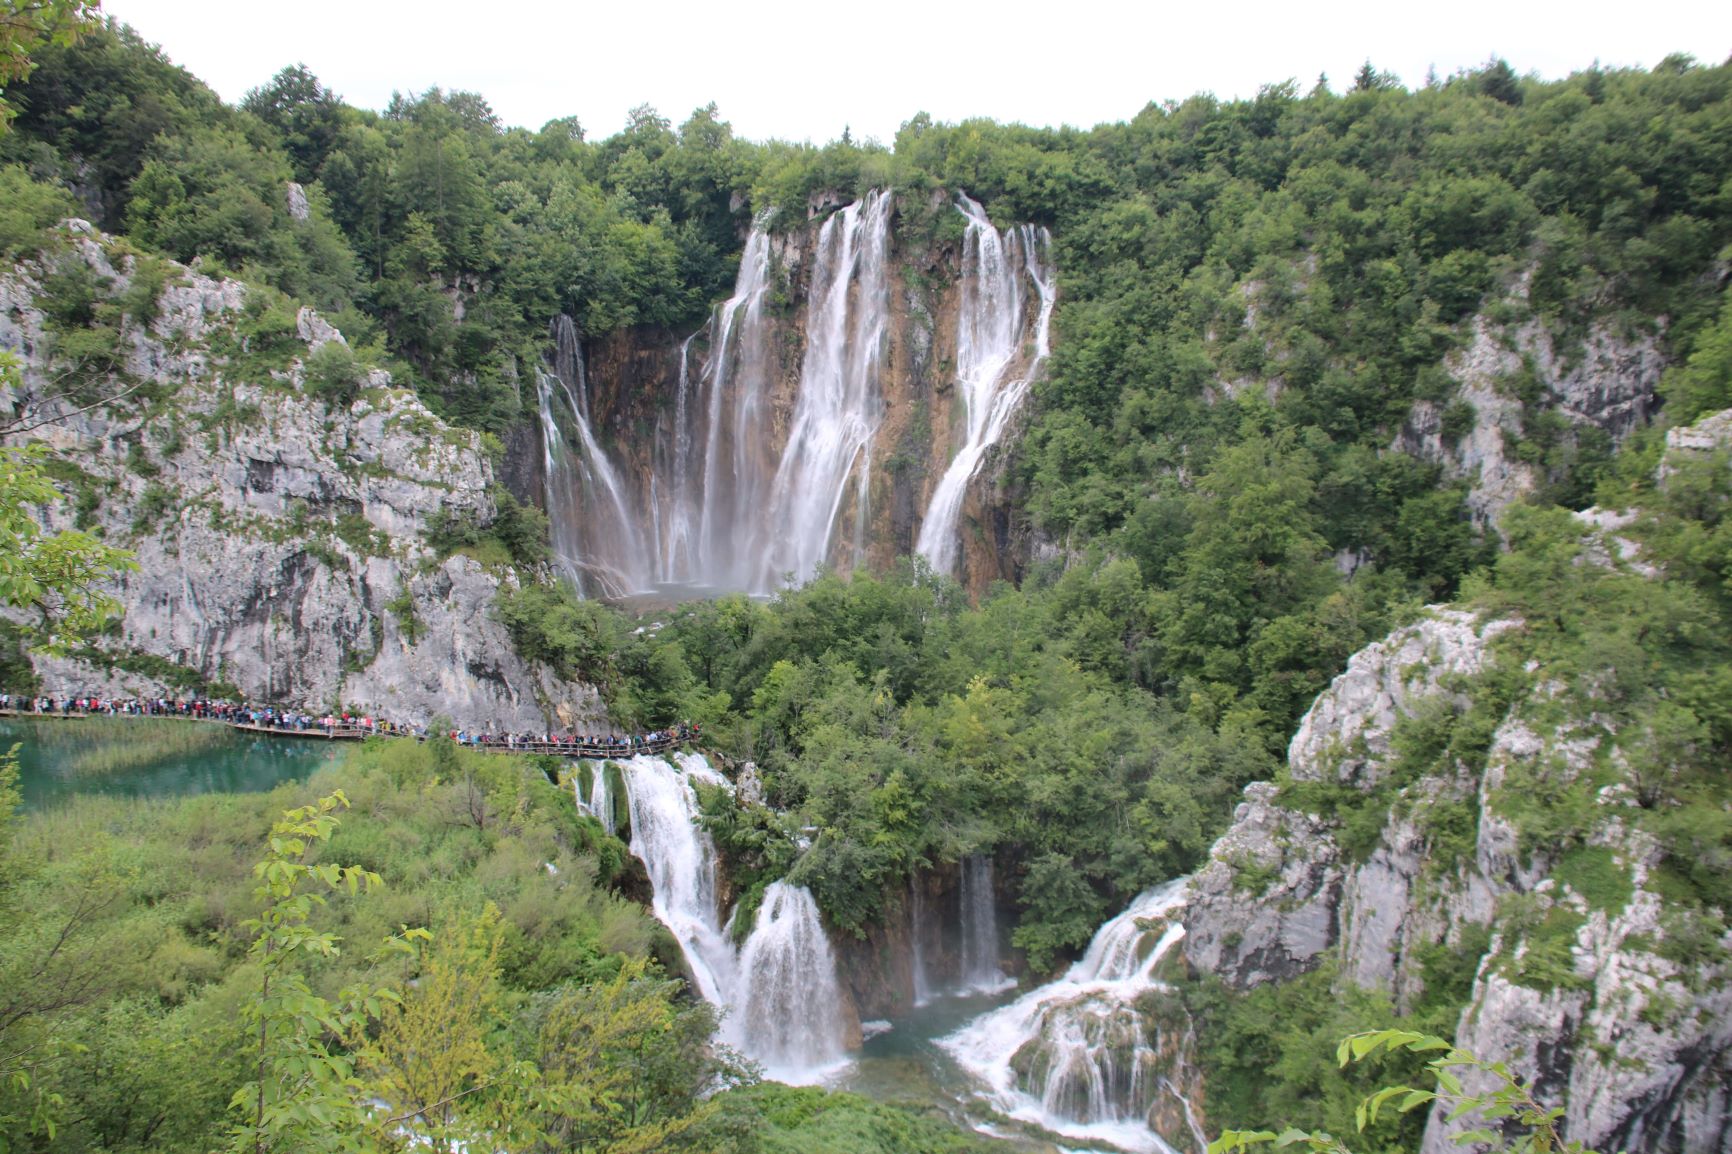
(739, 485)
(992, 376)
(779, 992)
(1078, 1056)
(724, 506)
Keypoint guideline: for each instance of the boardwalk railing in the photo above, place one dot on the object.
(594, 751)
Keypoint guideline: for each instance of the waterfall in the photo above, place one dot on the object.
(989, 343)
(779, 993)
(595, 533)
(788, 996)
(600, 800)
(980, 972)
(739, 492)
(676, 529)
(916, 938)
(839, 405)
(681, 862)
(1077, 1056)
(736, 450)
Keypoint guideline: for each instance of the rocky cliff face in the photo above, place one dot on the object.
(1580, 984)
(1509, 381)
(279, 537)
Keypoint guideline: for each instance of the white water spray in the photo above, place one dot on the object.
(786, 1006)
(980, 972)
(989, 347)
(681, 861)
(595, 533)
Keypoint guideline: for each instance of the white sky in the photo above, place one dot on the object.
(802, 70)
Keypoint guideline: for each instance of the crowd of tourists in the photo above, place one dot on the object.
(273, 717)
(573, 744)
(193, 707)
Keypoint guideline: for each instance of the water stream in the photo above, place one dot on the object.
(596, 537)
(980, 944)
(828, 456)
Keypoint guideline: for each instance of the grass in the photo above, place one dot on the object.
(100, 746)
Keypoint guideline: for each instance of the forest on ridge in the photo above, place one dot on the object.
(1217, 470)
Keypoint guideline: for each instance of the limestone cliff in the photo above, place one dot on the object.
(1581, 984)
(279, 536)
(1509, 383)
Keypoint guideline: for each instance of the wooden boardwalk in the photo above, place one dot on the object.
(576, 750)
(320, 732)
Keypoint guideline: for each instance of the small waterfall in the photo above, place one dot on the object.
(780, 994)
(1077, 1056)
(980, 972)
(828, 455)
(788, 996)
(917, 941)
(681, 861)
(600, 799)
(596, 536)
(989, 343)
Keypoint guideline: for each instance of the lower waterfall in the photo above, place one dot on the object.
(786, 1003)
(780, 995)
(1078, 1056)
(980, 971)
(681, 862)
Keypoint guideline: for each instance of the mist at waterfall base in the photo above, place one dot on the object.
(725, 507)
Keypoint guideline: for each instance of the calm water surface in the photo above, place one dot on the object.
(239, 763)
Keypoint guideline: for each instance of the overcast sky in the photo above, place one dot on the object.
(802, 71)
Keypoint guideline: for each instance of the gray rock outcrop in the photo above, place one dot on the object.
(1582, 990)
(1607, 383)
(280, 538)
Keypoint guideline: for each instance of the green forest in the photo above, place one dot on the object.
(1253, 296)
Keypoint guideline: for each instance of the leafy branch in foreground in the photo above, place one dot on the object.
(1508, 1101)
(305, 1093)
(58, 576)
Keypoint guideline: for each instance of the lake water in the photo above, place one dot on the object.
(234, 763)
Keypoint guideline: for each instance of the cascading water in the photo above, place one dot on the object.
(917, 941)
(839, 405)
(600, 800)
(736, 449)
(596, 538)
(980, 972)
(989, 345)
(1077, 1056)
(788, 994)
(677, 525)
(681, 862)
(780, 993)
(730, 501)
